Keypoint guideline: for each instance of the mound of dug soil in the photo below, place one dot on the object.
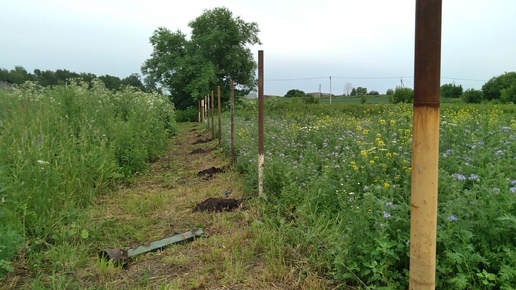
(200, 141)
(210, 171)
(218, 204)
(200, 151)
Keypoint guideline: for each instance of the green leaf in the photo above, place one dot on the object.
(84, 234)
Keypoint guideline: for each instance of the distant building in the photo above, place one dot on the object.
(320, 95)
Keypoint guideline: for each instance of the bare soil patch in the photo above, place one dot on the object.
(218, 204)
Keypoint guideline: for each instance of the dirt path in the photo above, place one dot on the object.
(162, 203)
(237, 252)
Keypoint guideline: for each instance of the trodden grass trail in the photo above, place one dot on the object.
(237, 252)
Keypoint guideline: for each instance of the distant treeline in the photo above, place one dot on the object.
(45, 78)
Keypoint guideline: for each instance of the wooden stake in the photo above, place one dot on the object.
(232, 120)
(212, 116)
(425, 144)
(219, 111)
(260, 123)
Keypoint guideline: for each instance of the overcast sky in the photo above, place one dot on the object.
(369, 43)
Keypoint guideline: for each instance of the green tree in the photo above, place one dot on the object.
(473, 96)
(508, 95)
(47, 78)
(19, 75)
(451, 91)
(295, 93)
(492, 89)
(403, 95)
(133, 80)
(373, 93)
(360, 91)
(215, 54)
(389, 92)
(4, 75)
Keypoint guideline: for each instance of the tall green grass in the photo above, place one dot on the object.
(62, 146)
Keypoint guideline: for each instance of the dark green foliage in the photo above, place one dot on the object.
(187, 115)
(311, 100)
(360, 91)
(473, 96)
(48, 78)
(508, 95)
(403, 95)
(373, 93)
(65, 145)
(451, 91)
(216, 54)
(389, 92)
(295, 93)
(493, 88)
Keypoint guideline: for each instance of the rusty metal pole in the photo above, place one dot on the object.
(219, 110)
(207, 104)
(425, 144)
(232, 120)
(199, 111)
(260, 123)
(212, 116)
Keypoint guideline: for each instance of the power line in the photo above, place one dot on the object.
(337, 77)
(365, 78)
(460, 79)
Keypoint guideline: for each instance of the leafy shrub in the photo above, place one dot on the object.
(403, 95)
(492, 89)
(473, 96)
(187, 115)
(295, 93)
(508, 95)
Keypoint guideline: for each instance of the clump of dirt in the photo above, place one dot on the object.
(210, 171)
(200, 151)
(218, 204)
(201, 141)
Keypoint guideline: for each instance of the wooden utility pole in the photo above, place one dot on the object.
(261, 157)
(425, 144)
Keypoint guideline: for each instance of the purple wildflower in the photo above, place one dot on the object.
(459, 176)
(453, 218)
(389, 204)
(386, 215)
(474, 177)
(513, 189)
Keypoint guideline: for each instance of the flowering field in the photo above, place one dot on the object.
(59, 147)
(337, 185)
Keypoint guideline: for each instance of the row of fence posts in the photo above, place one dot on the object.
(206, 111)
(425, 141)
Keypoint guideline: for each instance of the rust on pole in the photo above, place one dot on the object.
(212, 116)
(219, 111)
(207, 109)
(425, 144)
(199, 111)
(260, 123)
(232, 120)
